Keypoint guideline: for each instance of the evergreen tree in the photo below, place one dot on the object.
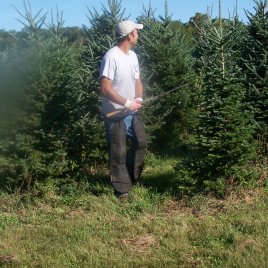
(166, 63)
(76, 96)
(51, 127)
(224, 132)
(19, 157)
(100, 35)
(256, 69)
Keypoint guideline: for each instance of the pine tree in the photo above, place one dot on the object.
(256, 69)
(165, 63)
(100, 35)
(225, 129)
(19, 156)
(52, 127)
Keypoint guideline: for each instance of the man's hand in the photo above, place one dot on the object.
(134, 105)
(139, 100)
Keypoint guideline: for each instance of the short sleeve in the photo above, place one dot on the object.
(108, 67)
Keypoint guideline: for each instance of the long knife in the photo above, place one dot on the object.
(122, 110)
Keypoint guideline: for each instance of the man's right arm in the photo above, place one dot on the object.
(107, 90)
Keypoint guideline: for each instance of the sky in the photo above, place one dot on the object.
(75, 12)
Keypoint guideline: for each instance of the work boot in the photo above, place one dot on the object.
(124, 198)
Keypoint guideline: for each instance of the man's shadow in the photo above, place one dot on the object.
(162, 183)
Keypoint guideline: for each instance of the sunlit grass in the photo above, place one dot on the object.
(155, 229)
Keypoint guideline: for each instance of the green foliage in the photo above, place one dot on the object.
(50, 125)
(197, 23)
(23, 136)
(224, 134)
(165, 61)
(101, 33)
(6, 40)
(32, 22)
(256, 69)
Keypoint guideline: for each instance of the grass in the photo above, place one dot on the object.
(155, 229)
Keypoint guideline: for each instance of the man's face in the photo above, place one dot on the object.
(134, 35)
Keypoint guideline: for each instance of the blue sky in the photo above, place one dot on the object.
(75, 11)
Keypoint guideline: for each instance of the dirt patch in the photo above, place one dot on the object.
(209, 205)
(8, 259)
(140, 244)
(176, 206)
(246, 196)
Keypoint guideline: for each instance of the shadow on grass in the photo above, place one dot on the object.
(158, 178)
(100, 184)
(162, 183)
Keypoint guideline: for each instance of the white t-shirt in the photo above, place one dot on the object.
(123, 70)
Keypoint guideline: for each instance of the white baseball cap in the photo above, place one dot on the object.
(125, 27)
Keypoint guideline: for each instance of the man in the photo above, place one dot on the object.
(122, 89)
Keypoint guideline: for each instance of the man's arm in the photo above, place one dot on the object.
(139, 89)
(107, 90)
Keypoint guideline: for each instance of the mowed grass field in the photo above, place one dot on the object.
(91, 228)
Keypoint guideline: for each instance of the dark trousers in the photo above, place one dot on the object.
(126, 160)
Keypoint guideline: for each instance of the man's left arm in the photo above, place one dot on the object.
(139, 89)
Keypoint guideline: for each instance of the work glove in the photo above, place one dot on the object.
(133, 106)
